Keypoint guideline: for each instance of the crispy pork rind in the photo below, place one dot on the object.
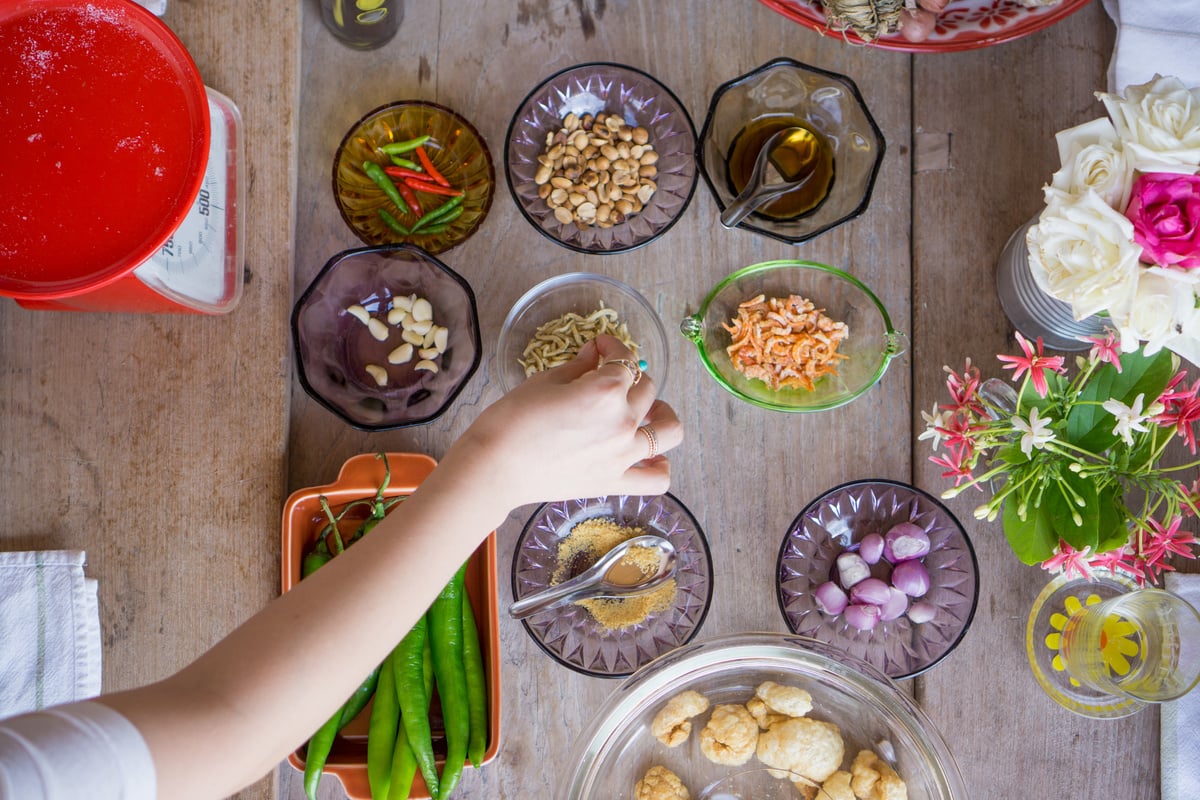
(763, 714)
(837, 786)
(790, 701)
(872, 778)
(808, 747)
(659, 783)
(730, 736)
(671, 725)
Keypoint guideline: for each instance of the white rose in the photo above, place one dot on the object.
(1159, 122)
(1159, 308)
(1187, 344)
(1092, 157)
(1082, 252)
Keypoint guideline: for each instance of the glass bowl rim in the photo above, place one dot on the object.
(725, 87)
(890, 333)
(708, 561)
(954, 523)
(309, 290)
(667, 670)
(527, 298)
(483, 148)
(512, 125)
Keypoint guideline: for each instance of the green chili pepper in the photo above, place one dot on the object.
(406, 163)
(404, 768)
(316, 558)
(395, 148)
(376, 174)
(476, 685)
(393, 223)
(317, 754)
(446, 642)
(409, 679)
(358, 701)
(439, 213)
(381, 736)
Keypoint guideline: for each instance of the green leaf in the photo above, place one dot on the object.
(1090, 426)
(1029, 398)
(1112, 530)
(1061, 510)
(1032, 539)
(1012, 454)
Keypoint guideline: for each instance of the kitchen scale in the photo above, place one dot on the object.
(121, 168)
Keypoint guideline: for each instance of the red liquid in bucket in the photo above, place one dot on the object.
(103, 140)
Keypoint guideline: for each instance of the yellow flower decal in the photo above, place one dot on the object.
(1118, 639)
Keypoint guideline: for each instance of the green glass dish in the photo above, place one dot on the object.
(871, 345)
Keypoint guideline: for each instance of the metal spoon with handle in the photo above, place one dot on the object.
(608, 577)
(773, 175)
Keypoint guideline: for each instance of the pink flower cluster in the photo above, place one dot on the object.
(1143, 559)
(1165, 211)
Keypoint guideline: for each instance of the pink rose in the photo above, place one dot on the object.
(1165, 211)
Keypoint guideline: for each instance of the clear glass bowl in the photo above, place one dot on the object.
(871, 345)
(827, 102)
(460, 154)
(617, 747)
(568, 633)
(332, 347)
(642, 101)
(583, 293)
(837, 521)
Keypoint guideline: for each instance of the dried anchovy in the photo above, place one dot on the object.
(869, 19)
(558, 341)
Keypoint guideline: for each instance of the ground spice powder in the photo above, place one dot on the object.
(584, 546)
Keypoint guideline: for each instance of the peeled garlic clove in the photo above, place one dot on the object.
(422, 310)
(377, 329)
(397, 316)
(428, 353)
(401, 355)
(427, 365)
(440, 337)
(422, 326)
(378, 373)
(359, 313)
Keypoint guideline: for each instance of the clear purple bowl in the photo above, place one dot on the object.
(837, 521)
(641, 100)
(332, 346)
(567, 632)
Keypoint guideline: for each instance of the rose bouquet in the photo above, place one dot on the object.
(1120, 234)
(1075, 463)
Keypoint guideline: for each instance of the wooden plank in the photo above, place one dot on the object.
(157, 443)
(744, 472)
(1001, 107)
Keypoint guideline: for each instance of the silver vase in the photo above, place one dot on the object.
(1030, 310)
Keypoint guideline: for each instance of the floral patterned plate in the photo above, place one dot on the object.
(964, 25)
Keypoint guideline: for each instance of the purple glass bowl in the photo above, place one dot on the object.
(836, 521)
(567, 632)
(332, 347)
(641, 100)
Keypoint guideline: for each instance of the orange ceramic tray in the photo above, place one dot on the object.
(359, 478)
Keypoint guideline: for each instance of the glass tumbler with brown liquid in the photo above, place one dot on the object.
(799, 155)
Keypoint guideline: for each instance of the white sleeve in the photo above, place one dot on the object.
(74, 751)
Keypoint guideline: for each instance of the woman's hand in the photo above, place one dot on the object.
(573, 432)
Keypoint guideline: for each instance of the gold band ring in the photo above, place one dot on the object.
(651, 439)
(629, 364)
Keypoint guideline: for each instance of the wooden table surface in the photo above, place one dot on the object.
(166, 445)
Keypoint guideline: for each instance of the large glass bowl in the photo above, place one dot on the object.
(825, 101)
(582, 293)
(333, 347)
(567, 632)
(641, 101)
(457, 151)
(836, 522)
(871, 345)
(617, 747)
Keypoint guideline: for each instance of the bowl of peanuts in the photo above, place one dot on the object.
(601, 158)
(386, 337)
(549, 323)
(794, 336)
(705, 720)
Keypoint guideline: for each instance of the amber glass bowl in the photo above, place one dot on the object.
(457, 151)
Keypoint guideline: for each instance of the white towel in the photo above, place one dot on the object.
(1154, 37)
(1180, 720)
(49, 631)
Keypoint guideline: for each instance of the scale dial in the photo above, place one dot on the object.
(200, 265)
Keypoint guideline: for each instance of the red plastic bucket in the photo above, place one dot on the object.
(104, 134)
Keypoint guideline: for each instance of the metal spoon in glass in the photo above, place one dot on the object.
(612, 576)
(776, 171)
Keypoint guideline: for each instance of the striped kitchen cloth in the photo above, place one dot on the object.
(49, 631)
(1180, 720)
